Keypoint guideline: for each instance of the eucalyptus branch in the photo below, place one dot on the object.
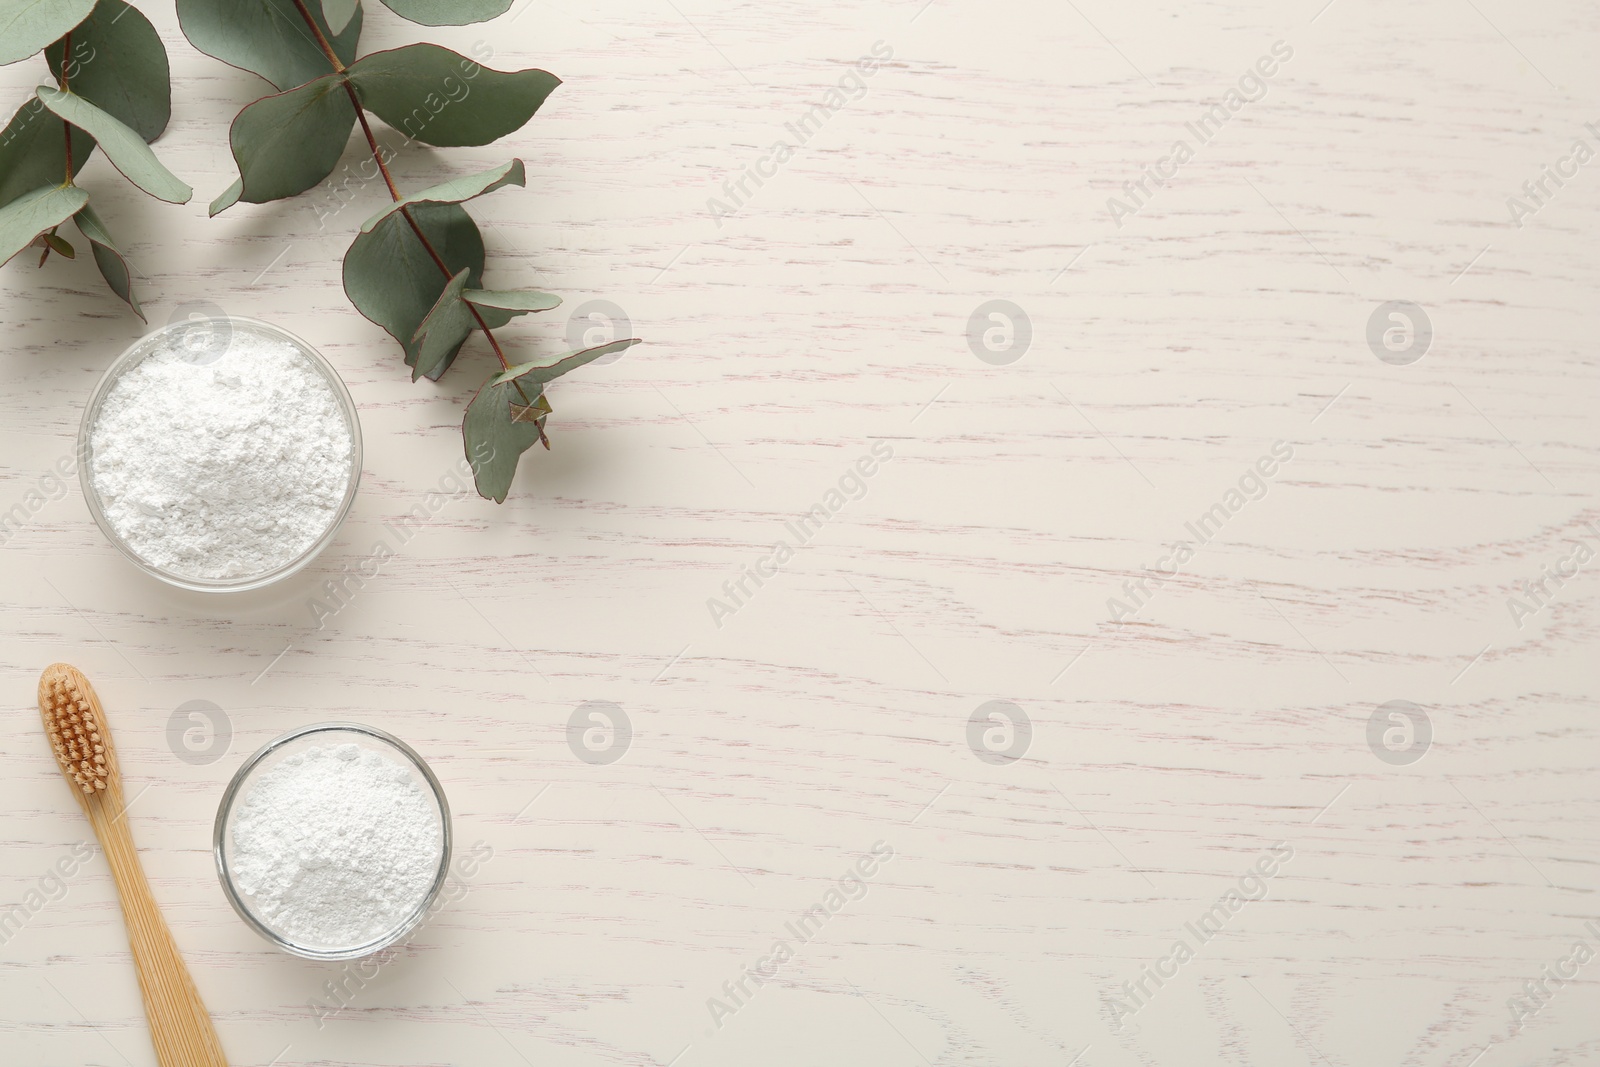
(416, 265)
(394, 193)
(110, 88)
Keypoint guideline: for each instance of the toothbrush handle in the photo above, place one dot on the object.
(180, 1026)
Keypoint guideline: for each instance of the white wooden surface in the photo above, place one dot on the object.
(831, 711)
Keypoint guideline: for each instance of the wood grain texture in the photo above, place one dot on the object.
(829, 313)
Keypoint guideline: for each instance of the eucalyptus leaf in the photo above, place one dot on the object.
(456, 190)
(541, 372)
(495, 438)
(337, 13)
(447, 324)
(121, 144)
(448, 12)
(392, 280)
(451, 320)
(33, 150)
(516, 301)
(500, 425)
(59, 245)
(28, 216)
(267, 37)
(26, 26)
(119, 64)
(498, 307)
(440, 97)
(227, 198)
(287, 143)
(108, 257)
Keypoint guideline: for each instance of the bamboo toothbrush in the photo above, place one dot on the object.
(180, 1028)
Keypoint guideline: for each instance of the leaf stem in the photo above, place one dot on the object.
(316, 31)
(388, 179)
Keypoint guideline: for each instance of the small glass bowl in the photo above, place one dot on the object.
(323, 734)
(208, 337)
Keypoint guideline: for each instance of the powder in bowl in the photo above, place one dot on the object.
(229, 467)
(335, 846)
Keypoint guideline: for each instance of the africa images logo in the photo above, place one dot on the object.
(1252, 85)
(1133, 997)
(850, 87)
(852, 885)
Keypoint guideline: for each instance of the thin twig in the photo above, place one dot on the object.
(316, 31)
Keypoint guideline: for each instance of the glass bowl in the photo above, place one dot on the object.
(325, 734)
(207, 338)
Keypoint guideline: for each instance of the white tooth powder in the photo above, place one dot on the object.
(224, 469)
(335, 846)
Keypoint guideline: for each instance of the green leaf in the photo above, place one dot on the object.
(119, 64)
(542, 372)
(516, 301)
(287, 143)
(447, 324)
(440, 97)
(448, 12)
(495, 438)
(33, 150)
(124, 147)
(59, 245)
(456, 190)
(500, 306)
(337, 13)
(108, 257)
(26, 26)
(28, 216)
(227, 198)
(392, 280)
(267, 37)
(451, 321)
(500, 425)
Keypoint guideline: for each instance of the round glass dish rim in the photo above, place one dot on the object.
(225, 806)
(97, 398)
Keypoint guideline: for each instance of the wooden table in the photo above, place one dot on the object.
(1194, 370)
